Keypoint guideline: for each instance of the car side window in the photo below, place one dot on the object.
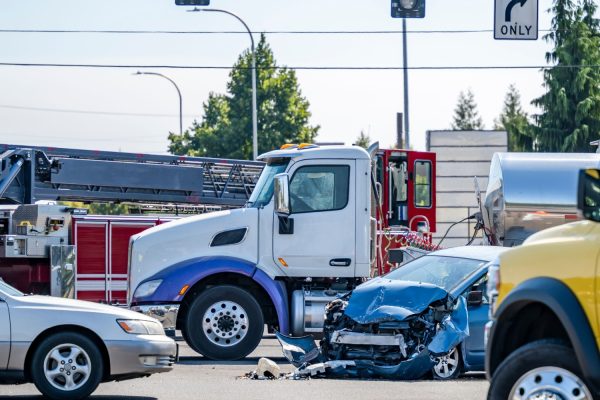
(319, 188)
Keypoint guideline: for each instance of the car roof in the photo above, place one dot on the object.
(484, 253)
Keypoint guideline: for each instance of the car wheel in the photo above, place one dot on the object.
(543, 369)
(66, 366)
(224, 323)
(448, 366)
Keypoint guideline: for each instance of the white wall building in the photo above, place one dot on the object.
(461, 155)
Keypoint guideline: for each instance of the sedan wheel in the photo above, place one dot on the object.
(448, 366)
(67, 366)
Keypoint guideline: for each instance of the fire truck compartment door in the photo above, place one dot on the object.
(322, 240)
(4, 335)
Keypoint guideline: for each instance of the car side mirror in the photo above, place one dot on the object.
(588, 194)
(282, 195)
(475, 298)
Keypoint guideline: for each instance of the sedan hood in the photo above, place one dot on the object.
(57, 304)
(386, 300)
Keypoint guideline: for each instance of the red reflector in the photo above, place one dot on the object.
(571, 216)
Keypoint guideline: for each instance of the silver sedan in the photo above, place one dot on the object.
(67, 347)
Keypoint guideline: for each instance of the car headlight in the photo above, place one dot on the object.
(147, 288)
(139, 327)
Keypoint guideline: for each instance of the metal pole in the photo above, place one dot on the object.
(254, 106)
(178, 93)
(405, 68)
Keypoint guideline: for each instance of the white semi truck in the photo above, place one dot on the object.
(307, 235)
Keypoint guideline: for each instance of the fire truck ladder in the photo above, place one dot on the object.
(29, 174)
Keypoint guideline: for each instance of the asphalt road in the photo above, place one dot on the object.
(197, 378)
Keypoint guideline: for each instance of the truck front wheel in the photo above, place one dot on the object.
(224, 323)
(543, 369)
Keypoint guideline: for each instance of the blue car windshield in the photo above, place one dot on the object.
(9, 290)
(445, 272)
(262, 193)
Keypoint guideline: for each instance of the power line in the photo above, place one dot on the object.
(303, 67)
(316, 32)
(71, 111)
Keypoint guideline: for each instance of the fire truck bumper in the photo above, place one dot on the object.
(166, 314)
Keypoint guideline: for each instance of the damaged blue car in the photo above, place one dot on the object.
(403, 325)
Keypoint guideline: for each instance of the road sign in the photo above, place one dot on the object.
(408, 8)
(516, 19)
(192, 2)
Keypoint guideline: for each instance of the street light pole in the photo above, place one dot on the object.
(178, 92)
(254, 111)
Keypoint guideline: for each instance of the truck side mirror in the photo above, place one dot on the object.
(588, 194)
(282, 195)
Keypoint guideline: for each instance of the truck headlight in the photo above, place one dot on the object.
(147, 288)
(138, 327)
(493, 285)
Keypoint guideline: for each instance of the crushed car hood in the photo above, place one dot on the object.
(383, 329)
(383, 300)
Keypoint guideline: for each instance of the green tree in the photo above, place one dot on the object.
(515, 122)
(570, 108)
(363, 140)
(466, 117)
(226, 127)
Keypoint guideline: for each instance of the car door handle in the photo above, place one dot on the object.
(340, 262)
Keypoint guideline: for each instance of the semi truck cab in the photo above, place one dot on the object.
(220, 277)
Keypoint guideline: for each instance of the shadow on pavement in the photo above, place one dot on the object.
(199, 360)
(92, 397)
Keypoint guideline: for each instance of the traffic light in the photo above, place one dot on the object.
(408, 8)
(192, 2)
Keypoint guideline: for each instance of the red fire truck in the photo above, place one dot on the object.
(49, 248)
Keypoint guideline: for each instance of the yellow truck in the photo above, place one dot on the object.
(543, 341)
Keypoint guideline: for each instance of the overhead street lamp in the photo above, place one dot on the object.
(254, 112)
(178, 92)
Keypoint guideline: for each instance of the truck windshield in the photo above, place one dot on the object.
(261, 196)
(445, 272)
(9, 290)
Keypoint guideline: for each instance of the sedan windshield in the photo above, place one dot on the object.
(262, 193)
(445, 272)
(9, 290)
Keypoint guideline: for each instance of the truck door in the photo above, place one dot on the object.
(421, 189)
(322, 240)
(4, 334)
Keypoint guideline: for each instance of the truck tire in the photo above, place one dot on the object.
(66, 366)
(544, 368)
(224, 323)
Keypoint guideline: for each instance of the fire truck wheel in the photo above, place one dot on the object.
(66, 366)
(224, 323)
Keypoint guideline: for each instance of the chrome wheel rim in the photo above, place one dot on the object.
(446, 365)
(67, 367)
(550, 383)
(225, 323)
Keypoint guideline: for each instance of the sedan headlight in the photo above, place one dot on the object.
(147, 288)
(139, 327)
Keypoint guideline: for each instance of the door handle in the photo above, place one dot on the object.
(340, 262)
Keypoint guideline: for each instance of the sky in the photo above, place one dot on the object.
(127, 112)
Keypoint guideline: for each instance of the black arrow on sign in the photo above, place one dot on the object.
(509, 8)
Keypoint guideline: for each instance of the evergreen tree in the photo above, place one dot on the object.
(515, 122)
(363, 140)
(466, 117)
(226, 127)
(570, 108)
